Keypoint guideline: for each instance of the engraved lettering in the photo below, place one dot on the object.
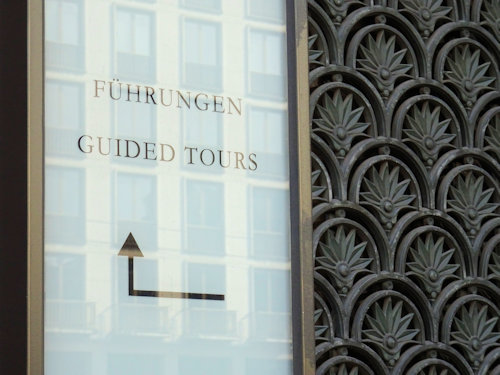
(88, 147)
(190, 153)
(218, 103)
(237, 108)
(203, 152)
(205, 104)
(111, 83)
(138, 92)
(181, 97)
(150, 92)
(97, 88)
(172, 152)
(100, 146)
(147, 150)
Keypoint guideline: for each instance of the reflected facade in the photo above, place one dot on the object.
(186, 147)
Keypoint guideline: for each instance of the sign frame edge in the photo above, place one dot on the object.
(300, 189)
(35, 293)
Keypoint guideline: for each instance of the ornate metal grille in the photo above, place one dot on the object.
(405, 120)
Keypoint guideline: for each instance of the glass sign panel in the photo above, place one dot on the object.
(167, 235)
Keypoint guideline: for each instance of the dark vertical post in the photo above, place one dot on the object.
(300, 189)
(13, 186)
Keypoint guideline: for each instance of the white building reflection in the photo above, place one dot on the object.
(201, 228)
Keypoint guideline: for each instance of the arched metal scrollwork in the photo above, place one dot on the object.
(405, 135)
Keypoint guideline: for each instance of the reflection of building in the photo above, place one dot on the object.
(202, 228)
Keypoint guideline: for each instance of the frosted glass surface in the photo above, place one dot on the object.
(166, 128)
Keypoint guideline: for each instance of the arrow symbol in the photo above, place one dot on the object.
(131, 250)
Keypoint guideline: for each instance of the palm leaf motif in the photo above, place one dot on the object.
(319, 330)
(389, 330)
(475, 333)
(342, 257)
(427, 132)
(386, 194)
(314, 55)
(426, 12)
(382, 62)
(493, 139)
(431, 265)
(465, 72)
(317, 189)
(471, 202)
(340, 122)
(495, 267)
(491, 16)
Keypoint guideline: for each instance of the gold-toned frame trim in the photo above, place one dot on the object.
(302, 274)
(35, 319)
(300, 189)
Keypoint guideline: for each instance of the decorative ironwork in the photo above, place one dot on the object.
(405, 120)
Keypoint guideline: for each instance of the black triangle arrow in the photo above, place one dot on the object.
(131, 250)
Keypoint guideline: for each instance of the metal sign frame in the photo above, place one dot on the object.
(300, 189)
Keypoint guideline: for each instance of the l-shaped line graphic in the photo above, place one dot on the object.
(131, 250)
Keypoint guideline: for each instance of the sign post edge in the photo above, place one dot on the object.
(35, 351)
(300, 189)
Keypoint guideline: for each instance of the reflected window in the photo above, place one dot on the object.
(271, 288)
(145, 278)
(64, 35)
(64, 117)
(137, 315)
(271, 303)
(202, 54)
(135, 364)
(134, 47)
(203, 130)
(266, 64)
(206, 366)
(212, 6)
(65, 305)
(268, 366)
(135, 121)
(64, 205)
(208, 318)
(63, 276)
(204, 207)
(270, 228)
(268, 139)
(207, 279)
(135, 209)
(68, 362)
(272, 11)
